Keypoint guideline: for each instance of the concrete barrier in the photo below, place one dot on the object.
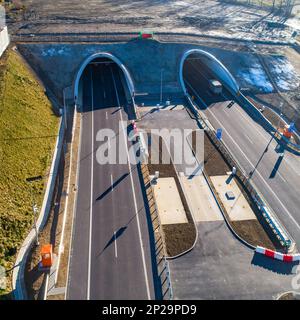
(277, 255)
(4, 40)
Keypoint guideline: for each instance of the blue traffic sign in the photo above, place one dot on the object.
(292, 127)
(219, 134)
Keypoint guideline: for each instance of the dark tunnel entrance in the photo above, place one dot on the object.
(103, 85)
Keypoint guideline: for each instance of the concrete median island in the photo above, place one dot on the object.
(237, 207)
(246, 223)
(179, 237)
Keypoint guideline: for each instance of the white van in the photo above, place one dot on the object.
(215, 86)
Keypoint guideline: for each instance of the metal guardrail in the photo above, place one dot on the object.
(75, 37)
(168, 280)
(267, 213)
(125, 36)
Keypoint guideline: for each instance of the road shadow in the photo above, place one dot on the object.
(229, 179)
(111, 188)
(273, 265)
(276, 167)
(115, 236)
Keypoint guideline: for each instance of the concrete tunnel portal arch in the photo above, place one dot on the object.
(107, 55)
(215, 65)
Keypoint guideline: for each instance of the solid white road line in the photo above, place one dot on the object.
(92, 191)
(106, 115)
(252, 124)
(282, 178)
(134, 196)
(116, 247)
(112, 182)
(248, 138)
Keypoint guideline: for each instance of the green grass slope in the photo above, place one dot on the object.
(28, 130)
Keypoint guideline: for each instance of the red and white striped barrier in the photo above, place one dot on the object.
(135, 129)
(277, 255)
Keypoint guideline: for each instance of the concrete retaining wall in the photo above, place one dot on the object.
(144, 59)
(4, 40)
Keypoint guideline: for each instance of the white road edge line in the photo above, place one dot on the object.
(91, 199)
(282, 178)
(61, 243)
(116, 247)
(134, 196)
(247, 137)
(241, 111)
(74, 209)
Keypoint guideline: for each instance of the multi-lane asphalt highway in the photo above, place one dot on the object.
(111, 244)
(277, 178)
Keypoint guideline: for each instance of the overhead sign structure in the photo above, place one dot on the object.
(219, 133)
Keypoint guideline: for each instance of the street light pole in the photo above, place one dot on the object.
(280, 114)
(34, 207)
(161, 85)
(35, 210)
(65, 108)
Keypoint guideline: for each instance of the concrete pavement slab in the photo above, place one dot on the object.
(201, 200)
(169, 204)
(237, 208)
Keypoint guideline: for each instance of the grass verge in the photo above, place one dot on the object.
(28, 131)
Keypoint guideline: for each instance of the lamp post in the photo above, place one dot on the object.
(65, 108)
(280, 114)
(34, 206)
(161, 86)
(35, 210)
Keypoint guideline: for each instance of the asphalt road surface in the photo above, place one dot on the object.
(220, 267)
(277, 178)
(111, 251)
